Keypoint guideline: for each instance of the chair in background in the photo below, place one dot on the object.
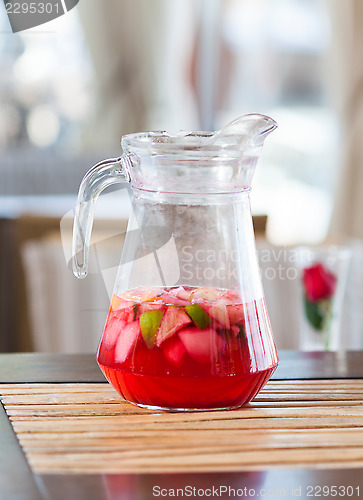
(66, 314)
(15, 332)
(9, 312)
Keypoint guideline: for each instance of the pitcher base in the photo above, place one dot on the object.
(187, 394)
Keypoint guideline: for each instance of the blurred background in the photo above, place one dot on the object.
(71, 88)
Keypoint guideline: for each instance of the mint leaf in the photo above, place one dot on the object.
(241, 335)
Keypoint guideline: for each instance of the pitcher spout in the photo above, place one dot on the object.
(248, 130)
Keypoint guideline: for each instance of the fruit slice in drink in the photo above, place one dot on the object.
(149, 325)
(174, 319)
(126, 341)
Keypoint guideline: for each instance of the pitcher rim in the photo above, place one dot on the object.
(148, 143)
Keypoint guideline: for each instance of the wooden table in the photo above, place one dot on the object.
(65, 434)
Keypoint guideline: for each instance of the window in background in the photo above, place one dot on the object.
(45, 85)
(46, 101)
(274, 60)
(242, 56)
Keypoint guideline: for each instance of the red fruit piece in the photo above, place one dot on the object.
(319, 282)
(126, 341)
(112, 330)
(236, 314)
(173, 319)
(201, 345)
(174, 351)
(127, 313)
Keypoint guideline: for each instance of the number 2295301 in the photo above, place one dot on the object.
(332, 491)
(32, 8)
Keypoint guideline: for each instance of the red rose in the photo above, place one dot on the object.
(319, 283)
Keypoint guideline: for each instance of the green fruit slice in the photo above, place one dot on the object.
(198, 315)
(149, 325)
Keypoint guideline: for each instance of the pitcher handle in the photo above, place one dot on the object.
(98, 178)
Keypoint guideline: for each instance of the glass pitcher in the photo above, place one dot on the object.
(187, 327)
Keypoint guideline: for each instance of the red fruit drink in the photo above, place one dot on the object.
(186, 348)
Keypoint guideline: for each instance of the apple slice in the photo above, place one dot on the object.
(126, 341)
(181, 293)
(201, 345)
(112, 331)
(173, 319)
(200, 318)
(219, 312)
(149, 326)
(174, 351)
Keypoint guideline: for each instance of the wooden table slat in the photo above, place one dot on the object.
(88, 428)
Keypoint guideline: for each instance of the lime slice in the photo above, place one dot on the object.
(198, 315)
(149, 325)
